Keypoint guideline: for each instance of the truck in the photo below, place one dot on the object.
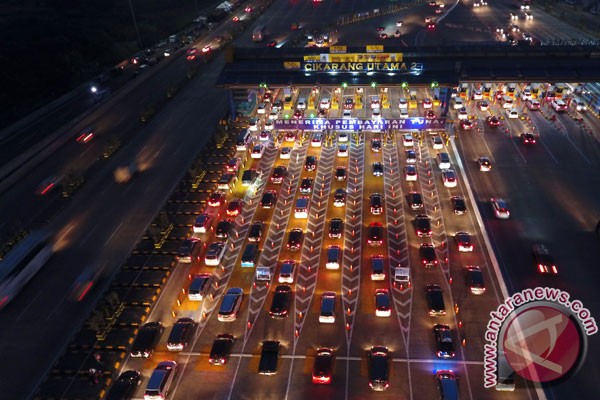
(258, 33)
(269, 357)
(123, 174)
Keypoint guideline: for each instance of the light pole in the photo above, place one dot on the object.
(137, 31)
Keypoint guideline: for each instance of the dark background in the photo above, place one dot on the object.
(50, 46)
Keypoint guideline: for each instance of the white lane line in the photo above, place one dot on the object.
(26, 307)
(113, 233)
(549, 152)
(517, 148)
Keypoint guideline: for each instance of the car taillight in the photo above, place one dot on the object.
(541, 267)
(554, 270)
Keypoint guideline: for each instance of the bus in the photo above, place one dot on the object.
(22, 263)
(258, 33)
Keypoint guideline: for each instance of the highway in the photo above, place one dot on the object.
(104, 221)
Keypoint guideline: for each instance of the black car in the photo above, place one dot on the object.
(146, 339)
(379, 369)
(435, 301)
(278, 174)
(221, 348)
(474, 279)
(256, 231)
(306, 185)
(444, 346)
(268, 199)
(187, 249)
(281, 302)
(376, 145)
(377, 169)
(423, 225)
(311, 163)
(323, 367)
(415, 200)
(249, 176)
(543, 259)
(339, 198)
(181, 334)
(376, 203)
(124, 386)
(335, 228)
(216, 199)
(428, 257)
(340, 173)
(295, 239)
(223, 228)
(458, 205)
(375, 234)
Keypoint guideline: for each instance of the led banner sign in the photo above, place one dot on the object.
(362, 67)
(339, 57)
(356, 125)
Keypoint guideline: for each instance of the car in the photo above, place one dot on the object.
(402, 103)
(462, 114)
(526, 94)
(466, 125)
(512, 113)
(376, 145)
(335, 228)
(410, 173)
(285, 153)
(253, 125)
(264, 136)
(261, 108)
(477, 94)
(187, 251)
(306, 185)
(273, 114)
(339, 198)
(459, 206)
(474, 279)
(249, 177)
(429, 114)
(349, 103)
(272, 43)
(458, 103)
(223, 228)
(322, 113)
(383, 303)
(463, 241)
(377, 268)
(295, 239)
(199, 286)
(427, 103)
(415, 200)
(233, 164)
(279, 173)
(437, 143)
(269, 126)
(214, 253)
(399, 23)
(269, 357)
(124, 386)
(230, 304)
(559, 105)
(343, 137)
(444, 346)
(323, 366)
(435, 300)
(483, 105)
(492, 121)
(206, 49)
(347, 114)
(85, 136)
(380, 29)
(235, 207)
(298, 114)
(377, 169)
(340, 173)
(430, 25)
(485, 164)
(423, 225)
(281, 302)
(379, 369)
(180, 334)
(286, 273)
(533, 104)
(255, 231)
(432, 4)
(427, 254)
(325, 103)
(257, 151)
(310, 164)
(268, 199)
(375, 234)
(376, 201)
(544, 260)
(404, 114)
(407, 140)
(527, 138)
(449, 178)
(411, 157)
(383, 36)
(268, 96)
(221, 349)
(201, 223)
(47, 186)
(513, 16)
(376, 114)
(440, 9)
(146, 340)
(342, 150)
(447, 384)
(500, 208)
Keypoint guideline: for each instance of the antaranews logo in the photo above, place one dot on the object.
(540, 334)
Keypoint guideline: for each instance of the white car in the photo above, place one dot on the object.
(264, 136)
(512, 113)
(407, 140)
(500, 208)
(458, 103)
(437, 142)
(410, 173)
(526, 94)
(214, 253)
(253, 126)
(449, 178)
(269, 124)
(376, 113)
(316, 140)
(285, 153)
(325, 103)
(273, 115)
(559, 105)
(257, 151)
(404, 114)
(528, 16)
(485, 165)
(261, 108)
(347, 114)
(483, 105)
(462, 114)
(427, 104)
(477, 95)
(403, 103)
(342, 150)
(286, 273)
(343, 137)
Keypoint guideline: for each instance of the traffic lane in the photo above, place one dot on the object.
(579, 136)
(105, 229)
